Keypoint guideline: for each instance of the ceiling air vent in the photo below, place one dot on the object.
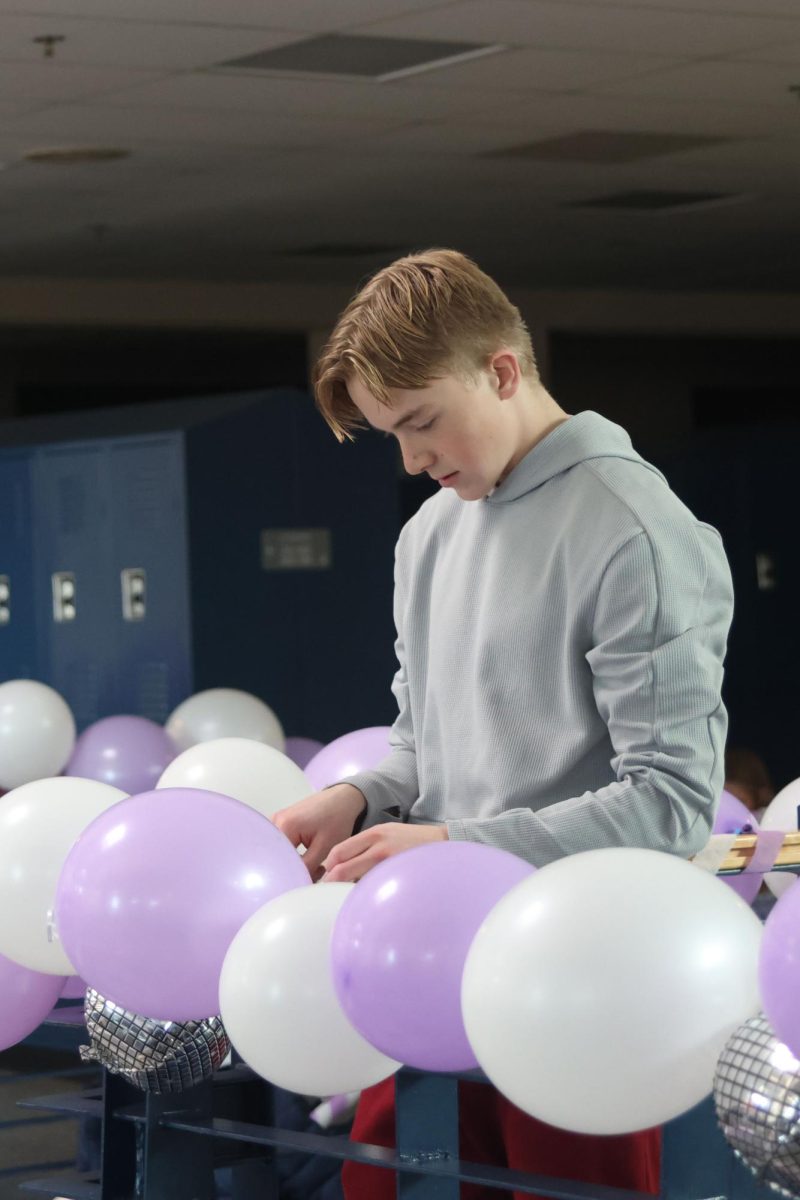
(654, 201)
(69, 155)
(344, 250)
(606, 146)
(356, 56)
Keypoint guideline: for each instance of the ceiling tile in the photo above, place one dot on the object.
(136, 44)
(542, 70)
(309, 16)
(610, 27)
(744, 83)
(233, 91)
(16, 108)
(752, 8)
(784, 52)
(607, 107)
(214, 133)
(52, 81)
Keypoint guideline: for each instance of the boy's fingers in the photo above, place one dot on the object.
(294, 836)
(351, 870)
(282, 820)
(313, 857)
(349, 848)
(289, 827)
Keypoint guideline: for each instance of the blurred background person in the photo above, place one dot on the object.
(747, 778)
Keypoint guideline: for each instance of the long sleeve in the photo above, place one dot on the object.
(392, 787)
(659, 634)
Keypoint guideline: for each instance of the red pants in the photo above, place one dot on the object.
(492, 1130)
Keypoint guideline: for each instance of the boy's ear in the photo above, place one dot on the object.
(505, 372)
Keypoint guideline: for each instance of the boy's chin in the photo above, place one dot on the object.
(471, 491)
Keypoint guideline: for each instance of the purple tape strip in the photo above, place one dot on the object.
(767, 850)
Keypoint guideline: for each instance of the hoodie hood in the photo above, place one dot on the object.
(579, 439)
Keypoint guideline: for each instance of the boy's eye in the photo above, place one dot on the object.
(427, 425)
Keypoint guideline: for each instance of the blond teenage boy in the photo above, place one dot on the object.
(561, 628)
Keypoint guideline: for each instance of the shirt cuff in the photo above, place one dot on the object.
(382, 806)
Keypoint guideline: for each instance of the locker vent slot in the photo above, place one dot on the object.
(84, 691)
(144, 495)
(71, 504)
(153, 691)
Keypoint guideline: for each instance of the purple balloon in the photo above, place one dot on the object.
(155, 889)
(779, 968)
(735, 817)
(130, 753)
(358, 751)
(301, 750)
(400, 942)
(26, 997)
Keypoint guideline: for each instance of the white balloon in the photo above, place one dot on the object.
(599, 993)
(39, 824)
(224, 712)
(781, 813)
(37, 732)
(278, 1002)
(252, 772)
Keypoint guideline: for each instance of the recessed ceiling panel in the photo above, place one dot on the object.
(606, 146)
(652, 201)
(344, 250)
(340, 54)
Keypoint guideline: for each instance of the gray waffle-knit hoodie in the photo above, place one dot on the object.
(560, 647)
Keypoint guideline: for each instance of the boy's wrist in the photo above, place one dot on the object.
(347, 793)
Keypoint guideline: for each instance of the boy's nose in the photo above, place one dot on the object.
(415, 462)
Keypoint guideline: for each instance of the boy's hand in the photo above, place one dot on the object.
(320, 821)
(351, 859)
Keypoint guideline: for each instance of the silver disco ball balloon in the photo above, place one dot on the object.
(156, 1056)
(757, 1095)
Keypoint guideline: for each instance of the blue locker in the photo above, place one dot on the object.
(152, 656)
(188, 496)
(19, 657)
(742, 480)
(71, 535)
(316, 644)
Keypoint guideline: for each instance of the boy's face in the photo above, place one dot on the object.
(460, 432)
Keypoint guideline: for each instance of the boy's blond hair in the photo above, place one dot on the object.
(424, 316)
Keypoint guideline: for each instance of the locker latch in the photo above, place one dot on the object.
(63, 596)
(134, 593)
